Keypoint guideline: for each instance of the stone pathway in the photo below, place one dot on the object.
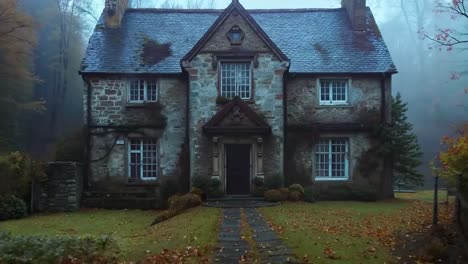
(271, 247)
(232, 248)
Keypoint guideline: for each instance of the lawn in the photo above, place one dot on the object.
(348, 232)
(427, 196)
(130, 228)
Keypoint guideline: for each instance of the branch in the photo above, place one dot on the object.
(85, 11)
(13, 29)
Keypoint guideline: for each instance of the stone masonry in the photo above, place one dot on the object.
(63, 189)
(112, 119)
(267, 98)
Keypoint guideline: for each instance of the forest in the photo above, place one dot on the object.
(42, 44)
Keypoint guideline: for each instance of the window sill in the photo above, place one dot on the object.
(133, 182)
(140, 105)
(332, 180)
(323, 106)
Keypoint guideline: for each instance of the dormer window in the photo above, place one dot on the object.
(235, 35)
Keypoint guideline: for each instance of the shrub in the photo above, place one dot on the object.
(167, 189)
(274, 182)
(258, 182)
(179, 203)
(164, 216)
(11, 207)
(296, 188)
(295, 196)
(340, 192)
(215, 189)
(259, 192)
(284, 193)
(197, 191)
(17, 171)
(363, 193)
(273, 196)
(36, 249)
(204, 183)
(309, 195)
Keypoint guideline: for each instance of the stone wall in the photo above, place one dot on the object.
(114, 120)
(364, 102)
(63, 189)
(267, 101)
(300, 165)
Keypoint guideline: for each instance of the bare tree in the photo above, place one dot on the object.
(190, 4)
(144, 3)
(449, 37)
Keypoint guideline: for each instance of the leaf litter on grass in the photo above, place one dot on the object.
(380, 229)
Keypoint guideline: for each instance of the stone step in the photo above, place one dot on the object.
(236, 198)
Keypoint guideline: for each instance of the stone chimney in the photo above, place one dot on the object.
(356, 10)
(114, 12)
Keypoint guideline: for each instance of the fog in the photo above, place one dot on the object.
(431, 78)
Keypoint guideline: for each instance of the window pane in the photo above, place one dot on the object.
(152, 90)
(228, 80)
(339, 90)
(137, 90)
(143, 158)
(322, 159)
(331, 159)
(243, 80)
(150, 158)
(332, 91)
(324, 91)
(235, 80)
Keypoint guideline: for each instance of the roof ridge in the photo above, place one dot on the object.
(178, 10)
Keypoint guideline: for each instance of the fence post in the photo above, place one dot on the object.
(458, 203)
(435, 215)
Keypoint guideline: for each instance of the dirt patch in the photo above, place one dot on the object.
(441, 244)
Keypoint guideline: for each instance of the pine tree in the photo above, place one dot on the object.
(400, 145)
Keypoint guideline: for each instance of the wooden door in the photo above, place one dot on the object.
(238, 169)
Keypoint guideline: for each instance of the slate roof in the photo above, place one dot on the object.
(315, 40)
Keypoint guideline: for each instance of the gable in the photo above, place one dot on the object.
(215, 37)
(237, 118)
(219, 42)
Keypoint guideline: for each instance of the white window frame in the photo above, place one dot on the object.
(145, 91)
(330, 90)
(330, 154)
(237, 92)
(141, 152)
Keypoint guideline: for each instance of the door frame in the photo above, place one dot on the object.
(250, 166)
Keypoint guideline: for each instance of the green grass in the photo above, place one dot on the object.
(426, 196)
(311, 229)
(130, 228)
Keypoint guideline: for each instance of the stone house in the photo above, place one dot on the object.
(235, 95)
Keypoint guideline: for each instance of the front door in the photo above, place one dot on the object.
(238, 169)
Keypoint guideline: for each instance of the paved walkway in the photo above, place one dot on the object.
(234, 248)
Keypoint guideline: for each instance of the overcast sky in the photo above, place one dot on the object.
(381, 14)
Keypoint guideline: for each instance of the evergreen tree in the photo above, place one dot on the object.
(400, 145)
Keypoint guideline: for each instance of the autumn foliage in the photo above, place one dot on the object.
(454, 160)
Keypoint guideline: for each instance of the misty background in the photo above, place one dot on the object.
(433, 79)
